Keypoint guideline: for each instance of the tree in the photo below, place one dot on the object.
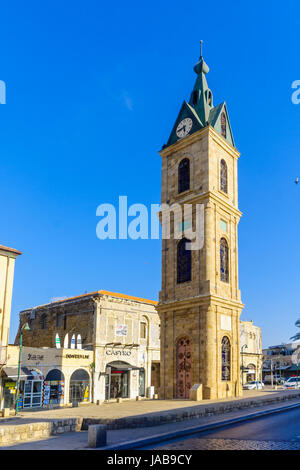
(296, 337)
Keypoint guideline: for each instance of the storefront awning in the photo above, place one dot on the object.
(25, 373)
(122, 366)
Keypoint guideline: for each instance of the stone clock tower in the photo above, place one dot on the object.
(200, 302)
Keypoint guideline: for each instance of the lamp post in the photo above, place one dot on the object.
(24, 327)
(242, 353)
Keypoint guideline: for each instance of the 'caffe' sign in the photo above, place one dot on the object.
(118, 352)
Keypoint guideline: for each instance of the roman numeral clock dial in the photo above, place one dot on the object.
(184, 127)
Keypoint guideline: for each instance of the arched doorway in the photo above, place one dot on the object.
(251, 372)
(79, 386)
(54, 387)
(183, 368)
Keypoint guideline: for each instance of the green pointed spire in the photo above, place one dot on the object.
(199, 111)
(201, 97)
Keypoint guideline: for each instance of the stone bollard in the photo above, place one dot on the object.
(119, 400)
(155, 396)
(5, 412)
(97, 435)
(138, 398)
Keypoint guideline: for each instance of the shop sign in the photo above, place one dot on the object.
(10, 384)
(121, 330)
(77, 356)
(34, 357)
(118, 352)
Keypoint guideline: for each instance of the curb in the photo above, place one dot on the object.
(138, 443)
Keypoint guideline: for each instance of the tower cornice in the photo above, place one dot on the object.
(197, 136)
(199, 300)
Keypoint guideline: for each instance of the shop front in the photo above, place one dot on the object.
(54, 387)
(118, 376)
(79, 387)
(30, 388)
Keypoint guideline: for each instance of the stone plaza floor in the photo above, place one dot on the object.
(136, 408)
(79, 440)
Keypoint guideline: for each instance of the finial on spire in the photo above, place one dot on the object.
(201, 42)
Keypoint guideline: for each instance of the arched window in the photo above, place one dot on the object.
(184, 175)
(143, 328)
(223, 125)
(224, 260)
(223, 176)
(226, 360)
(184, 265)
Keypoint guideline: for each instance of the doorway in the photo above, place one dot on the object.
(183, 365)
(32, 397)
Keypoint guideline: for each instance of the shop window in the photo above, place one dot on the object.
(54, 387)
(79, 386)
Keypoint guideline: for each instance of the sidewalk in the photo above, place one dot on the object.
(78, 440)
(132, 414)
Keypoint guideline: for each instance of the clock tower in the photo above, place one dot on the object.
(200, 302)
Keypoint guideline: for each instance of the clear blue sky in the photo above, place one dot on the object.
(93, 89)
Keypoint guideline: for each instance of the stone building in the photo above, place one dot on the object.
(48, 376)
(200, 301)
(251, 352)
(7, 266)
(281, 360)
(121, 331)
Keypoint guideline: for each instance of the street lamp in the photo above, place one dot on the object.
(24, 327)
(242, 353)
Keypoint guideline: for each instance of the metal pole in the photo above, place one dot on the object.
(271, 373)
(19, 370)
(242, 368)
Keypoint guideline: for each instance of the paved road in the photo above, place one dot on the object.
(280, 431)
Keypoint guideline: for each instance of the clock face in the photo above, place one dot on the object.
(184, 127)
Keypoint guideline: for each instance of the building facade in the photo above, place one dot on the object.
(200, 301)
(280, 361)
(251, 352)
(7, 266)
(120, 334)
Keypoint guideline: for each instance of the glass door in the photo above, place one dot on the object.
(125, 385)
(32, 394)
(142, 382)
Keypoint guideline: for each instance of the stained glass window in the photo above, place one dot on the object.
(224, 260)
(184, 175)
(223, 176)
(223, 125)
(226, 358)
(184, 264)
